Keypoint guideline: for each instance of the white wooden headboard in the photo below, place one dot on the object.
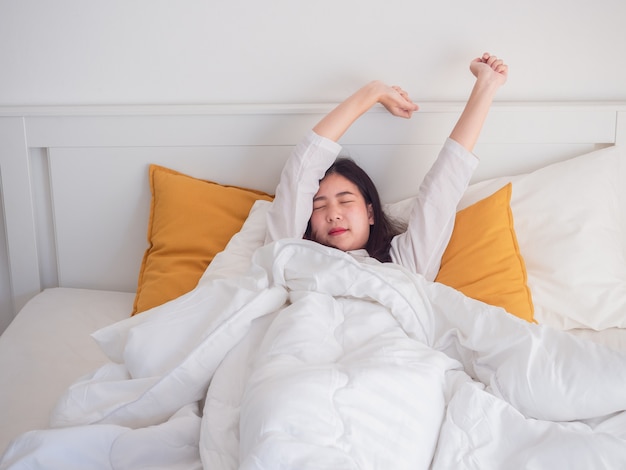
(75, 189)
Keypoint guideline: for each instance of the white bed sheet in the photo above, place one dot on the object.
(46, 348)
(147, 343)
(49, 345)
(614, 338)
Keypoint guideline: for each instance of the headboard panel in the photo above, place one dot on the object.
(75, 188)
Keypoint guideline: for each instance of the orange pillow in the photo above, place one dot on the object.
(191, 220)
(483, 259)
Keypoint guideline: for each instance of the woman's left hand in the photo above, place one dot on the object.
(490, 67)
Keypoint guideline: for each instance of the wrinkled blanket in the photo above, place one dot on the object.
(314, 359)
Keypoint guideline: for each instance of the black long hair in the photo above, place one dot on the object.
(384, 228)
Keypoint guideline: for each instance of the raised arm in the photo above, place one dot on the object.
(299, 180)
(490, 73)
(432, 218)
(393, 98)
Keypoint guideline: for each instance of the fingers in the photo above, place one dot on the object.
(397, 102)
(494, 62)
(405, 96)
(403, 93)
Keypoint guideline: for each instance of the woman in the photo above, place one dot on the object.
(336, 204)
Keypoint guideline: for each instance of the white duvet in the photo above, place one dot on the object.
(315, 359)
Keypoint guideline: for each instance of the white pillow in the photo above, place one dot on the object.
(570, 222)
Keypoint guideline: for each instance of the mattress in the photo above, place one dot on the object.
(46, 348)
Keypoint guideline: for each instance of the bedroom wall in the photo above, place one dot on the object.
(72, 52)
(203, 51)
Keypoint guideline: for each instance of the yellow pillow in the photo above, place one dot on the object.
(191, 220)
(483, 259)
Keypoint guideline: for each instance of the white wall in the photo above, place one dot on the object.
(209, 51)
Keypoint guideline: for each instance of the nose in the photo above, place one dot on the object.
(333, 214)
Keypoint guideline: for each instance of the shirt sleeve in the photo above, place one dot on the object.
(432, 217)
(299, 181)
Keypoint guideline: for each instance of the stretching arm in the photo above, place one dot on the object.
(339, 120)
(431, 221)
(490, 73)
(300, 177)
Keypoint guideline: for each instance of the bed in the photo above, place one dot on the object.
(113, 341)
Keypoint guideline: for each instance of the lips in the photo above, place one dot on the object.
(337, 231)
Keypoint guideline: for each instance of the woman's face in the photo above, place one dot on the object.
(340, 217)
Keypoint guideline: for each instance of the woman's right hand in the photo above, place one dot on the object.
(337, 122)
(397, 101)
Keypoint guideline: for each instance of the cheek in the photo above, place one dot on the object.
(316, 221)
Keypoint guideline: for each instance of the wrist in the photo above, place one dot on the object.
(486, 88)
(490, 82)
(335, 123)
(364, 98)
(373, 92)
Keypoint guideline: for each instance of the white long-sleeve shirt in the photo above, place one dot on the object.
(430, 223)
